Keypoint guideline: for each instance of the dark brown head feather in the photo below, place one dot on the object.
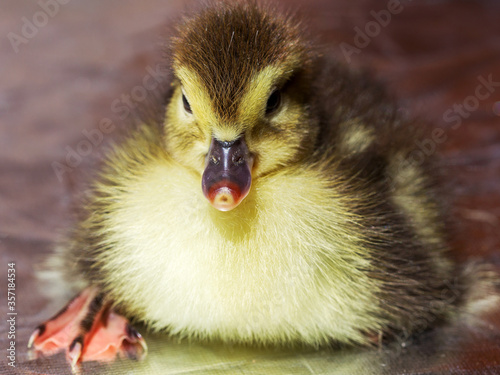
(227, 43)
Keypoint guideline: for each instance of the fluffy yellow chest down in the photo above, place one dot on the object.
(283, 266)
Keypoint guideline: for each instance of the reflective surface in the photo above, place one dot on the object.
(457, 349)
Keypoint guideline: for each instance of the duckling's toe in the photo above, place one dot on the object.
(89, 330)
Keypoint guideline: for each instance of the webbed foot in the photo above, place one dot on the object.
(89, 330)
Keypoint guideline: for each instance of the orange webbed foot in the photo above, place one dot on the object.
(89, 330)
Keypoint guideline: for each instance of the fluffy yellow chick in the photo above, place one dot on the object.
(275, 204)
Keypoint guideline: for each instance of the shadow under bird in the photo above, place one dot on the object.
(273, 205)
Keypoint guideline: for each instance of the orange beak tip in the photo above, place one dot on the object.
(224, 198)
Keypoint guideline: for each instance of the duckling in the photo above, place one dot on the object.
(275, 204)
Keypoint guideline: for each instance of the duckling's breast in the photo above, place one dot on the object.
(286, 265)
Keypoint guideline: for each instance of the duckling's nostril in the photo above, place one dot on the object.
(214, 160)
(238, 159)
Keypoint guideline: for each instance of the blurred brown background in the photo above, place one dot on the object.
(66, 65)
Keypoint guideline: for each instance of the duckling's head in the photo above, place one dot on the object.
(239, 108)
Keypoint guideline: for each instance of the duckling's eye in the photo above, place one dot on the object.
(273, 102)
(187, 106)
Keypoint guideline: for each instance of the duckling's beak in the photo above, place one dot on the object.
(227, 177)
